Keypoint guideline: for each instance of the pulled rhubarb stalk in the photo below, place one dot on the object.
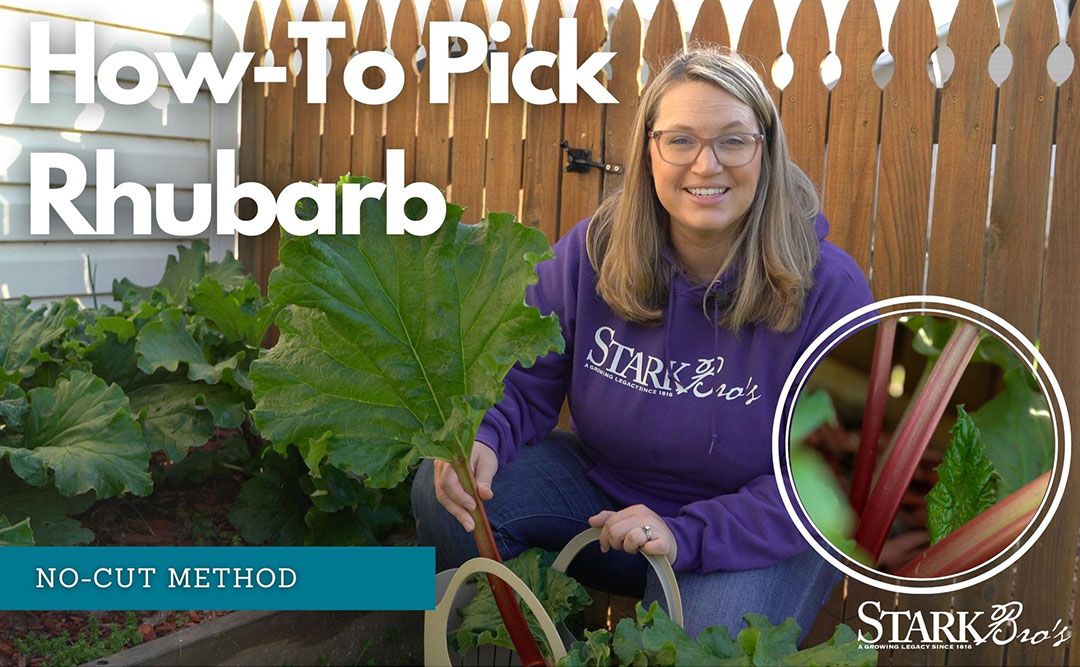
(982, 538)
(876, 393)
(512, 616)
(876, 519)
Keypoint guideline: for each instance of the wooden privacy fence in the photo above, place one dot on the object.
(906, 172)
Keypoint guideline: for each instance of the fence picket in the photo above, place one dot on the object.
(907, 136)
(433, 120)
(369, 128)
(853, 126)
(965, 137)
(759, 42)
(663, 38)
(506, 121)
(625, 85)
(338, 110)
(711, 25)
(583, 125)
(470, 113)
(1022, 168)
(306, 149)
(252, 134)
(1050, 596)
(401, 111)
(277, 163)
(806, 98)
(542, 172)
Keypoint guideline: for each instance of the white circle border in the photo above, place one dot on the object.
(921, 301)
(790, 409)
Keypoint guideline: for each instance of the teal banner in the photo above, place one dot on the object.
(217, 578)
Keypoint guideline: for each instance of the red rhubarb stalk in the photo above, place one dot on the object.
(884, 456)
(512, 616)
(982, 538)
(910, 442)
(876, 393)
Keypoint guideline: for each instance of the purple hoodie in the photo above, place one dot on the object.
(692, 443)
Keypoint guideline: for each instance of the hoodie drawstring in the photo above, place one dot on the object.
(716, 352)
(670, 315)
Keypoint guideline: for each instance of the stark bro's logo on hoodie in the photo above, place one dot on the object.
(646, 373)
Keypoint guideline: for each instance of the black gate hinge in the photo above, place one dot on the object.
(579, 161)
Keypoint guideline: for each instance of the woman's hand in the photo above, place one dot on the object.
(625, 531)
(452, 495)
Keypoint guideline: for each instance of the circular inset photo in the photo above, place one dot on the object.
(923, 446)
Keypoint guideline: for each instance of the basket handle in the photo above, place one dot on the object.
(659, 564)
(435, 622)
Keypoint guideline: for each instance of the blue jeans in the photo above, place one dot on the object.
(543, 499)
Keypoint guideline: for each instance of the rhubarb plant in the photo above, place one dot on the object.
(994, 464)
(393, 347)
(87, 395)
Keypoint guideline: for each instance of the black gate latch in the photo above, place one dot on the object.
(579, 161)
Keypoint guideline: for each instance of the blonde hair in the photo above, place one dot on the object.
(776, 245)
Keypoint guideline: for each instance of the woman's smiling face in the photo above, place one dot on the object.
(700, 214)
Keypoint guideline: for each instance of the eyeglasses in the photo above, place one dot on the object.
(683, 148)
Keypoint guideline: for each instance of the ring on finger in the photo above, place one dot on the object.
(647, 529)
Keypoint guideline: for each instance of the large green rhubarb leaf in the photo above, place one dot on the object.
(48, 511)
(83, 432)
(13, 408)
(966, 480)
(167, 343)
(240, 315)
(392, 347)
(812, 411)
(177, 416)
(1017, 431)
(271, 506)
(825, 502)
(18, 535)
(188, 267)
(26, 335)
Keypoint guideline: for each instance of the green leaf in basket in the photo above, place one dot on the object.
(559, 594)
(595, 651)
(651, 638)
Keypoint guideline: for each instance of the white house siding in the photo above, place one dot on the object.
(160, 141)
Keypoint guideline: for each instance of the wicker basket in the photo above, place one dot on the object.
(453, 593)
